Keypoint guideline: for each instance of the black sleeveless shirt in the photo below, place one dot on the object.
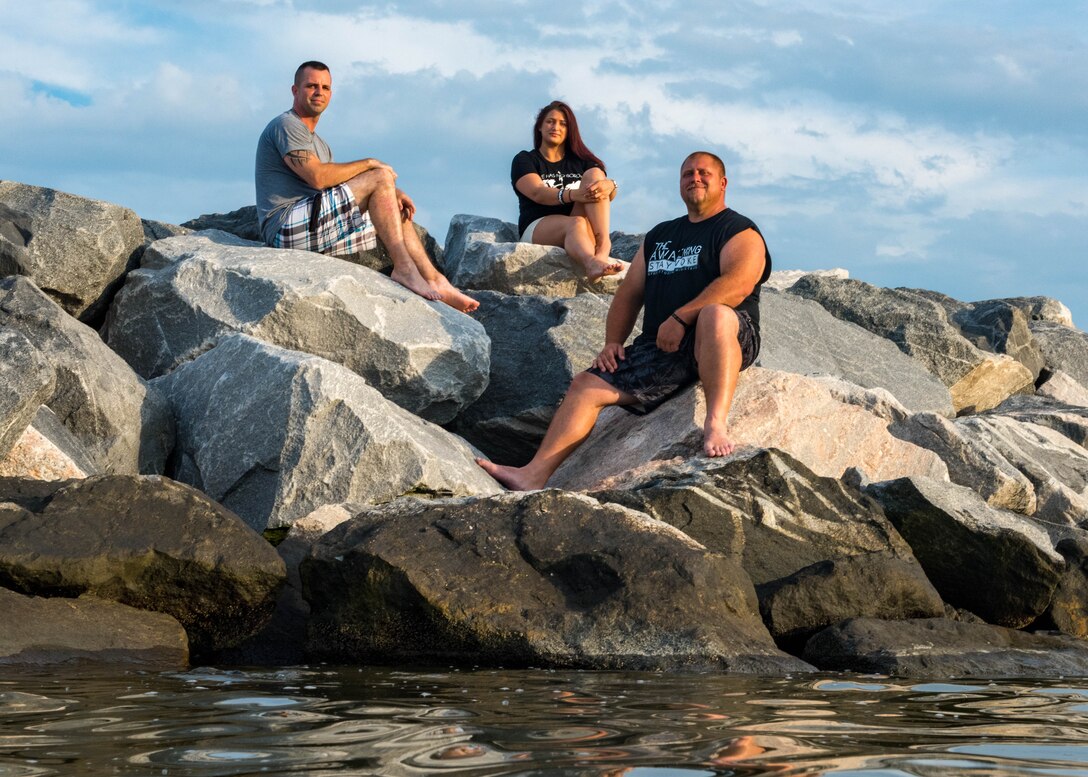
(682, 258)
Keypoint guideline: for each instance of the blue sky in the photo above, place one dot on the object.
(941, 145)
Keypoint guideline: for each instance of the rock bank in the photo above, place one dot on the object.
(903, 456)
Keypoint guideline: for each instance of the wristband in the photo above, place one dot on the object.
(683, 323)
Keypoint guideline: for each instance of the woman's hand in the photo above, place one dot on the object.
(600, 190)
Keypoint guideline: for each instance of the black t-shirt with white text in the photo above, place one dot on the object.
(683, 258)
(562, 174)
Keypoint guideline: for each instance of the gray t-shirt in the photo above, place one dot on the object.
(277, 187)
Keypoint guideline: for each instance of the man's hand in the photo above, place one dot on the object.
(407, 207)
(610, 357)
(669, 335)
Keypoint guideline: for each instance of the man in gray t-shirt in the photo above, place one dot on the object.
(307, 201)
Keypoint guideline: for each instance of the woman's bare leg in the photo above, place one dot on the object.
(575, 236)
(599, 215)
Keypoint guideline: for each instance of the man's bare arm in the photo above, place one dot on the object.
(622, 314)
(322, 175)
(742, 260)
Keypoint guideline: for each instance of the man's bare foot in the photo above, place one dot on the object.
(514, 478)
(715, 440)
(452, 296)
(598, 268)
(414, 282)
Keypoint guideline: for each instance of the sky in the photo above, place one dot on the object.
(938, 144)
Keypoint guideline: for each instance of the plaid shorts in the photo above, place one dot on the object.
(651, 375)
(328, 222)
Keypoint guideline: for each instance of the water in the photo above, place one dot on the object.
(349, 721)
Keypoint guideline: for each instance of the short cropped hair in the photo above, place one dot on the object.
(717, 159)
(313, 64)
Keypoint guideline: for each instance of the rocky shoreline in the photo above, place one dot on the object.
(215, 451)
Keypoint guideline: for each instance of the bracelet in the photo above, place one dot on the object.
(683, 323)
(559, 196)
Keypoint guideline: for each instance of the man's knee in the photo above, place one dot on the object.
(717, 327)
(365, 184)
(718, 321)
(584, 382)
(592, 390)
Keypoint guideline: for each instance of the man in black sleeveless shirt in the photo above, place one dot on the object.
(698, 276)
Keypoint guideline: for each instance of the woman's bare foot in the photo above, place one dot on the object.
(715, 439)
(598, 268)
(514, 478)
(451, 295)
(414, 282)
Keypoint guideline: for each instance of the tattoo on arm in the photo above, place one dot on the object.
(299, 158)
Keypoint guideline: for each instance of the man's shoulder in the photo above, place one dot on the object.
(285, 120)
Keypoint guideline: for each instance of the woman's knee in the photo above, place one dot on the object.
(592, 175)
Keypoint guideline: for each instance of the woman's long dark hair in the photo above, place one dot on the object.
(573, 144)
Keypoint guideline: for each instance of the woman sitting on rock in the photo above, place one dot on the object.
(564, 197)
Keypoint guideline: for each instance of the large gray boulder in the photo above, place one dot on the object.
(625, 244)
(160, 230)
(544, 578)
(1060, 386)
(919, 326)
(1068, 612)
(146, 542)
(76, 250)
(538, 344)
(191, 290)
(1001, 326)
(870, 585)
(1064, 349)
(273, 434)
(827, 425)
(800, 336)
(992, 563)
(39, 631)
(46, 450)
(1022, 457)
(978, 467)
(483, 253)
(762, 507)
(124, 423)
(941, 649)
(1045, 309)
(466, 229)
(1056, 467)
(241, 223)
(1070, 420)
(28, 381)
(812, 545)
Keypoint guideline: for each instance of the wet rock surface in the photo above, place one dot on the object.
(543, 578)
(940, 648)
(145, 542)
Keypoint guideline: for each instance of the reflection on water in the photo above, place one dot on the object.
(349, 721)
